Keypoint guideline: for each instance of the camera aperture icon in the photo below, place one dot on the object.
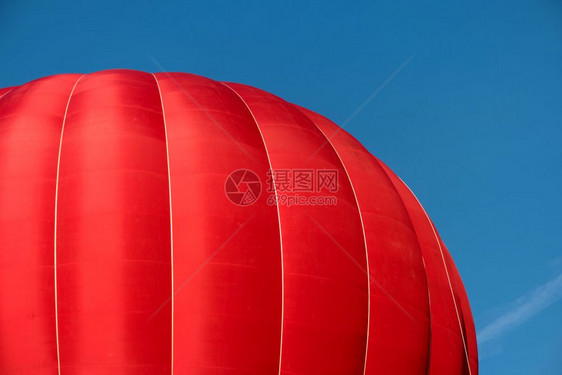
(242, 187)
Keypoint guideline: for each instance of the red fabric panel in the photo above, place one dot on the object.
(447, 349)
(5, 90)
(30, 126)
(467, 321)
(113, 235)
(227, 317)
(399, 329)
(325, 292)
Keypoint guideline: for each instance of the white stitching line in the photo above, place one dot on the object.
(364, 237)
(380, 164)
(430, 334)
(448, 277)
(171, 226)
(278, 220)
(200, 106)
(56, 212)
(6, 93)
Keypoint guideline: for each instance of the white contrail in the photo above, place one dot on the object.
(525, 308)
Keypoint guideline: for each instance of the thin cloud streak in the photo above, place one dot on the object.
(525, 308)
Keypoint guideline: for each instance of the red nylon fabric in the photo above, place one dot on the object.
(5, 90)
(447, 349)
(120, 252)
(467, 322)
(397, 297)
(31, 119)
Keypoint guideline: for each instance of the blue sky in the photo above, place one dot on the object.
(473, 122)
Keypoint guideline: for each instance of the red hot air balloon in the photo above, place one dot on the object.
(172, 224)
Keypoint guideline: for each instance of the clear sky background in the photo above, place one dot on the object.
(473, 122)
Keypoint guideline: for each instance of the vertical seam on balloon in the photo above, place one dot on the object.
(55, 222)
(422, 258)
(430, 317)
(362, 229)
(278, 221)
(171, 226)
(465, 307)
(446, 273)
